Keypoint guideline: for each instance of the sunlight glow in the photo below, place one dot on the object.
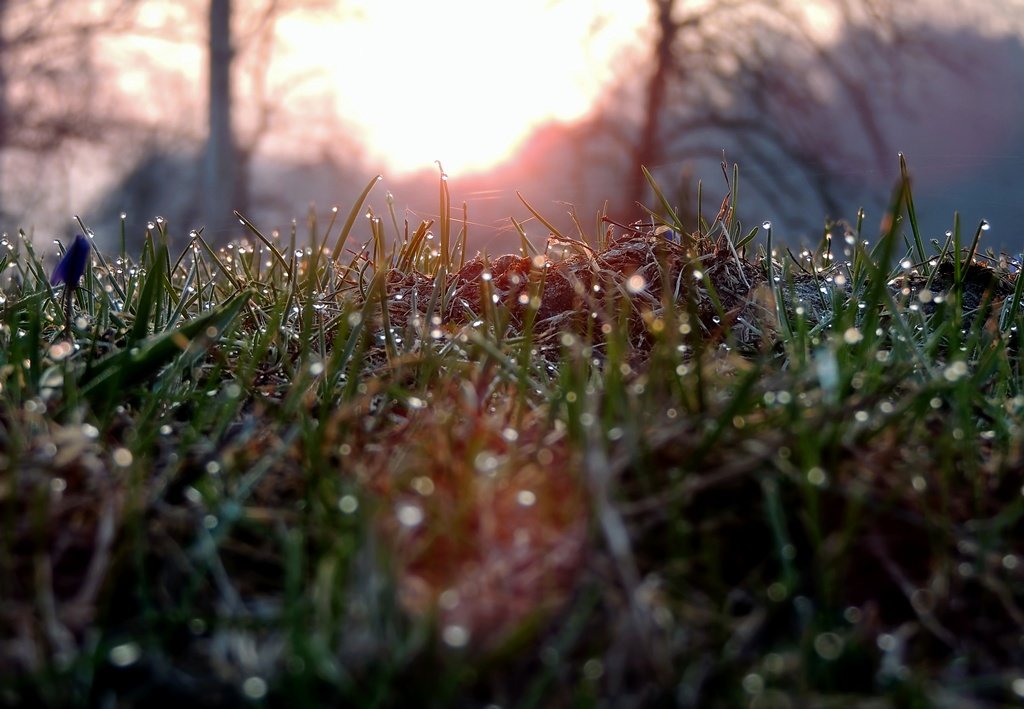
(464, 81)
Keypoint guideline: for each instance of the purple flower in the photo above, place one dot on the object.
(70, 269)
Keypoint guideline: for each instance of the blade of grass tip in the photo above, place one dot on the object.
(274, 251)
(350, 221)
(881, 257)
(410, 251)
(777, 287)
(1009, 316)
(972, 252)
(742, 243)
(602, 228)
(444, 209)
(149, 297)
(941, 256)
(124, 238)
(389, 200)
(35, 265)
(574, 217)
(700, 199)
(465, 235)
(957, 250)
(183, 300)
(528, 249)
(445, 212)
(322, 246)
(670, 214)
(734, 192)
(550, 227)
(912, 216)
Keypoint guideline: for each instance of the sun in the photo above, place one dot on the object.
(464, 82)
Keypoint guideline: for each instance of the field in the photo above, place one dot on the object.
(638, 465)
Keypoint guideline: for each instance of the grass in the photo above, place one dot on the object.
(655, 464)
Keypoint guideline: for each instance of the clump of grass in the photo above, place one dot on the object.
(646, 463)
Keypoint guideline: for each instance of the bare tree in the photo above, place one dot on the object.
(802, 108)
(220, 176)
(47, 72)
(229, 149)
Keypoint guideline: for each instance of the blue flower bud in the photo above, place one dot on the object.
(71, 268)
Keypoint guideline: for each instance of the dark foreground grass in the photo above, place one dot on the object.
(646, 466)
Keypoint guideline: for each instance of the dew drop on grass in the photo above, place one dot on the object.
(753, 683)
(526, 498)
(409, 515)
(985, 226)
(455, 636)
(817, 477)
(766, 224)
(829, 646)
(254, 687)
(486, 462)
(125, 655)
(449, 599)
(423, 485)
(122, 457)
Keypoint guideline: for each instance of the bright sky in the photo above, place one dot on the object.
(463, 81)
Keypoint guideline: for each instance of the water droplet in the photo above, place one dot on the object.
(766, 224)
(985, 226)
(526, 498)
(254, 687)
(409, 515)
(125, 655)
(829, 646)
(455, 636)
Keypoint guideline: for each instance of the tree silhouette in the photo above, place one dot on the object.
(802, 106)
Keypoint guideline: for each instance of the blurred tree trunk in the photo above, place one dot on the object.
(220, 178)
(3, 97)
(649, 142)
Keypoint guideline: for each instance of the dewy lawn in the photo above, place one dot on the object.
(647, 464)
